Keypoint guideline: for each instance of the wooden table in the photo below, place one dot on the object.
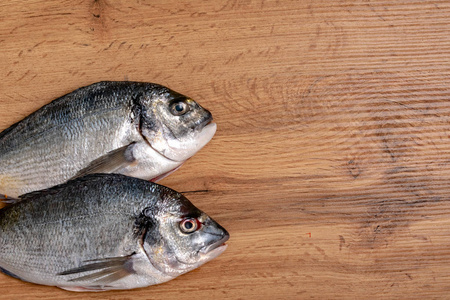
(331, 164)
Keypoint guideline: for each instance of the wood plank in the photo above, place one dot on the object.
(331, 163)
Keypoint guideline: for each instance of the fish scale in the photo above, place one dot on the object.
(28, 164)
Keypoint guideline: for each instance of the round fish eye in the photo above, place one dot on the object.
(179, 108)
(189, 225)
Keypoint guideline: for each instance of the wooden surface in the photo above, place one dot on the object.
(331, 164)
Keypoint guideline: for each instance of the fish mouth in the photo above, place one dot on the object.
(204, 125)
(205, 122)
(208, 252)
(215, 248)
(208, 126)
(202, 137)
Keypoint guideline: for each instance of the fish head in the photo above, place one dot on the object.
(175, 125)
(183, 239)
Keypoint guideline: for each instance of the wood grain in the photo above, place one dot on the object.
(331, 164)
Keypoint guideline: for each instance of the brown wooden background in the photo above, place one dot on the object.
(331, 164)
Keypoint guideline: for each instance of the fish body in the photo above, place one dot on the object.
(106, 231)
(137, 129)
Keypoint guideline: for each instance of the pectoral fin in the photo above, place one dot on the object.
(102, 271)
(110, 162)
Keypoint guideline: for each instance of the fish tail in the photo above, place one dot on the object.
(8, 200)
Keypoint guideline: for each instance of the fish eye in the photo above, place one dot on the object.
(189, 225)
(179, 108)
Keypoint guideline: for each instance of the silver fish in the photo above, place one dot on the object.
(106, 231)
(137, 129)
